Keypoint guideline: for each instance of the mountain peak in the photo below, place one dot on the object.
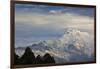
(73, 36)
(71, 30)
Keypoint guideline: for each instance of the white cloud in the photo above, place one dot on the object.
(29, 23)
(56, 11)
(58, 20)
(74, 44)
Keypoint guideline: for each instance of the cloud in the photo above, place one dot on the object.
(56, 11)
(58, 21)
(75, 46)
(35, 22)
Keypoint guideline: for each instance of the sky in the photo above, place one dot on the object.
(34, 23)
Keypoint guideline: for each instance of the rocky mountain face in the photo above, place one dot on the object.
(29, 58)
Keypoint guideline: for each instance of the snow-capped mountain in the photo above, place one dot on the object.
(73, 46)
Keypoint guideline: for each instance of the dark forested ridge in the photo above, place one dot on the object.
(29, 58)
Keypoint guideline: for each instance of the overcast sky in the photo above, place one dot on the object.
(42, 22)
